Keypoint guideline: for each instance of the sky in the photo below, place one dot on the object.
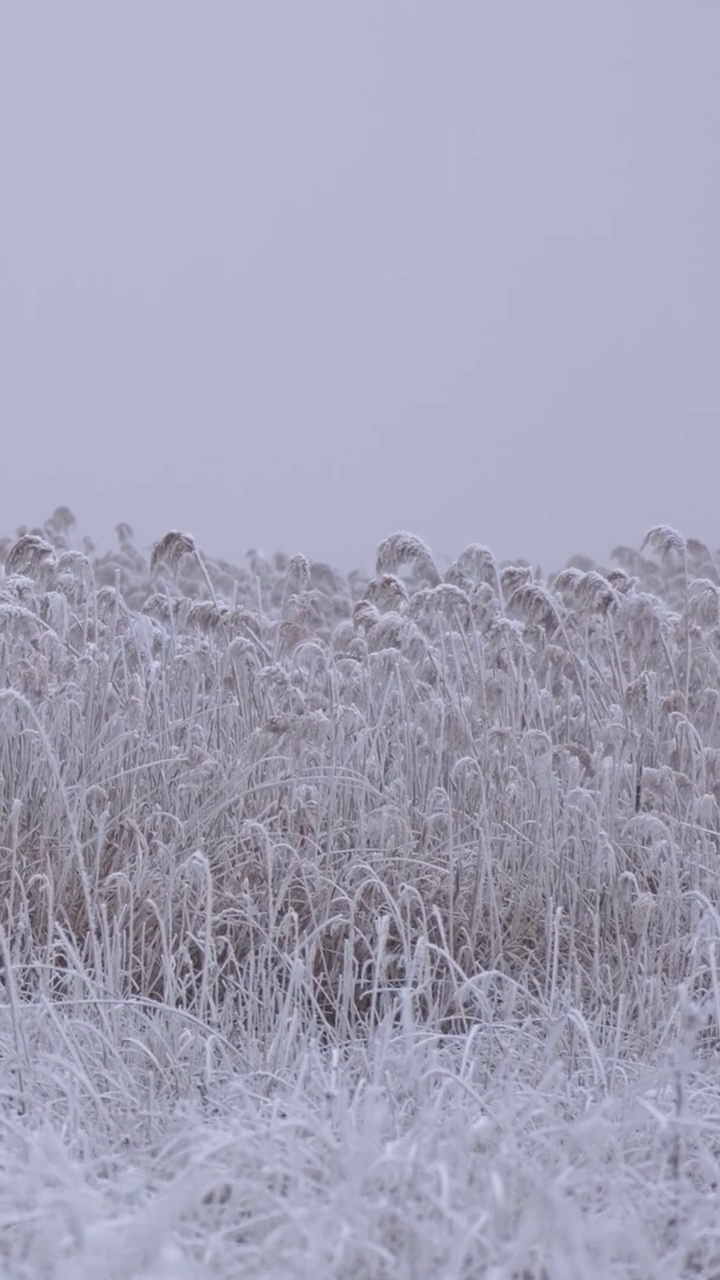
(297, 276)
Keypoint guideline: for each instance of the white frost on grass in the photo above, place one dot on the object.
(514, 1150)
(358, 931)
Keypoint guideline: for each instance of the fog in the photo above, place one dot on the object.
(295, 276)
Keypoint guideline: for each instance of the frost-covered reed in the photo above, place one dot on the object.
(358, 927)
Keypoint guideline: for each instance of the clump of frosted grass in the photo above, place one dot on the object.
(357, 928)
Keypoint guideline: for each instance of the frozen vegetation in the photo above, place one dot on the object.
(358, 929)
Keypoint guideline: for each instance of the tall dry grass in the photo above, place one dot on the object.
(265, 806)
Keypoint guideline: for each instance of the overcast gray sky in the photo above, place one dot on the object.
(297, 275)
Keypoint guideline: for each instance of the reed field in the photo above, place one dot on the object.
(358, 928)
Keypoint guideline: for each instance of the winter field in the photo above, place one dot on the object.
(358, 929)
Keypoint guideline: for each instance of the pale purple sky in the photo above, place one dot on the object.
(297, 275)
